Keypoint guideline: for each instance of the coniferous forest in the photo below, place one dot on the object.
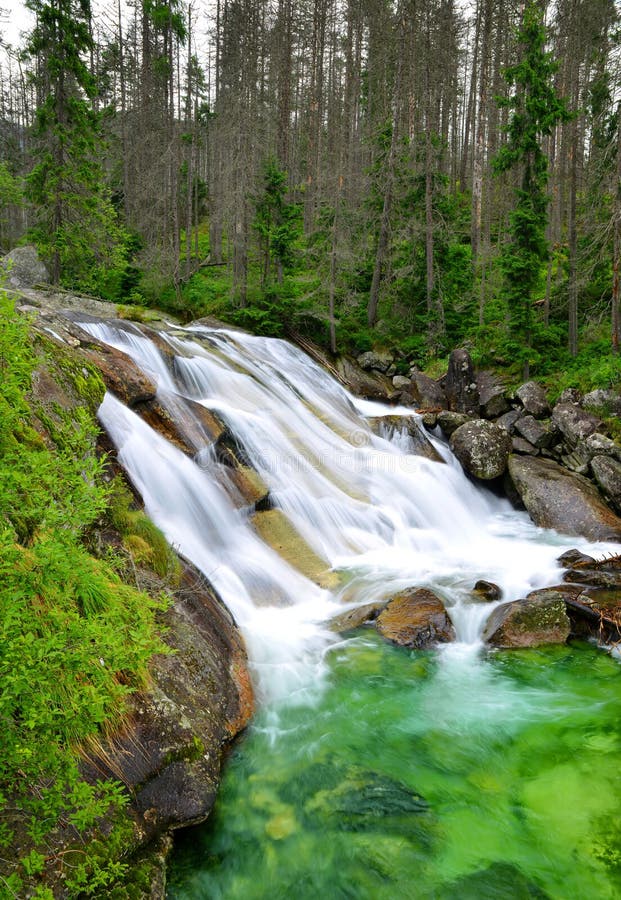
(413, 175)
(431, 181)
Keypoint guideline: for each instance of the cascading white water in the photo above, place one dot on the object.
(382, 518)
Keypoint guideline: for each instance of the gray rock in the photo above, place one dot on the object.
(521, 445)
(482, 448)
(426, 393)
(574, 423)
(579, 459)
(492, 400)
(380, 360)
(451, 421)
(556, 498)
(370, 385)
(540, 618)
(24, 267)
(400, 382)
(600, 445)
(603, 402)
(429, 420)
(508, 420)
(573, 557)
(607, 472)
(535, 431)
(570, 395)
(533, 398)
(460, 385)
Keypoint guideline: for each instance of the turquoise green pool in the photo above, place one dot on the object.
(424, 775)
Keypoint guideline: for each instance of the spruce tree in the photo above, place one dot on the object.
(75, 224)
(536, 109)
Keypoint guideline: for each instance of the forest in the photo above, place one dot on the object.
(416, 175)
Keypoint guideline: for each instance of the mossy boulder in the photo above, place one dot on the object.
(538, 619)
(482, 448)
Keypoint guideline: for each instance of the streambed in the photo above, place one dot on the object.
(451, 774)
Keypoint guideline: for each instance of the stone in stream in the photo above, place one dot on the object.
(371, 385)
(486, 592)
(415, 618)
(572, 558)
(357, 617)
(540, 618)
(500, 881)
(556, 498)
(182, 421)
(424, 392)
(482, 448)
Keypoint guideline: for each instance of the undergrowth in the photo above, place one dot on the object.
(75, 640)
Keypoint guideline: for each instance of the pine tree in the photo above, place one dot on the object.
(76, 226)
(536, 109)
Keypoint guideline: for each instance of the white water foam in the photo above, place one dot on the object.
(381, 517)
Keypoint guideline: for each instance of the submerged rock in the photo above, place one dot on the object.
(556, 498)
(538, 619)
(275, 529)
(415, 618)
(482, 448)
(500, 881)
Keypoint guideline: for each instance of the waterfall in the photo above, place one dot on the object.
(379, 517)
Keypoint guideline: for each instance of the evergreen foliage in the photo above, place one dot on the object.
(536, 109)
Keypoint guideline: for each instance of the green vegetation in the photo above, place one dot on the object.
(75, 640)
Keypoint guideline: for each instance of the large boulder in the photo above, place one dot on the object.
(460, 385)
(556, 498)
(451, 421)
(607, 473)
(170, 750)
(24, 267)
(603, 402)
(533, 398)
(379, 360)
(356, 617)
(425, 393)
(371, 385)
(574, 423)
(482, 448)
(539, 619)
(415, 618)
(492, 399)
(538, 433)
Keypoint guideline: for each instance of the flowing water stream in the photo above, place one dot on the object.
(371, 771)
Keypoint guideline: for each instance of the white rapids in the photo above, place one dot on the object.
(381, 517)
